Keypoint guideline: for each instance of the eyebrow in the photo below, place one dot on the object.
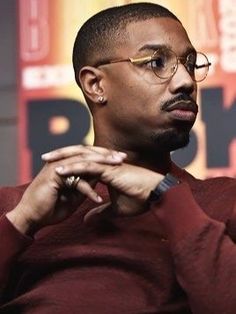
(155, 47)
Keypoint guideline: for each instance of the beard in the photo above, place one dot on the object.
(171, 139)
(177, 136)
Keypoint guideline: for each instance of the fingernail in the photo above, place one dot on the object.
(116, 157)
(122, 154)
(59, 169)
(45, 155)
(99, 199)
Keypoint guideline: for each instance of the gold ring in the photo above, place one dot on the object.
(72, 181)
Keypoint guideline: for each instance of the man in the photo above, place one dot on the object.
(130, 250)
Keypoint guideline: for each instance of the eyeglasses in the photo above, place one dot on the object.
(164, 63)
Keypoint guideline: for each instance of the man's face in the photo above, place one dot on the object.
(143, 112)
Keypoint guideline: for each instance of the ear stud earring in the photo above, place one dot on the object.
(101, 99)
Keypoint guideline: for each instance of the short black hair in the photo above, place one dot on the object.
(105, 31)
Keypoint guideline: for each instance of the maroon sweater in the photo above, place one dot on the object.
(179, 257)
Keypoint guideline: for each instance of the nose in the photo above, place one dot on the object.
(182, 81)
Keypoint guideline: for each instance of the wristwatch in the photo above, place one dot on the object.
(166, 183)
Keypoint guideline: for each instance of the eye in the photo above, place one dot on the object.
(158, 62)
(191, 67)
(191, 63)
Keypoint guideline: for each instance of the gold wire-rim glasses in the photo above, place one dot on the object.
(173, 68)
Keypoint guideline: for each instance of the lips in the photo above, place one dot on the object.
(183, 110)
(183, 105)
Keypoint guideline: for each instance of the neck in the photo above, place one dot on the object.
(152, 159)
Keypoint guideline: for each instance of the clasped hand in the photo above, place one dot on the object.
(47, 201)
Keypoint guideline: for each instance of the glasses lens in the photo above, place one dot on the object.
(201, 67)
(164, 63)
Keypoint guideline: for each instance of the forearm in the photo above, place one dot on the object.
(203, 254)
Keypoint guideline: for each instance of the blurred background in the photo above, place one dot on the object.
(41, 107)
(9, 162)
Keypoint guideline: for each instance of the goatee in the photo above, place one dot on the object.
(170, 140)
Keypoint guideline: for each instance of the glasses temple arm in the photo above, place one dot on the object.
(202, 65)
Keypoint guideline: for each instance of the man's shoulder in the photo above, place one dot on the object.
(216, 196)
(10, 196)
(221, 188)
(209, 185)
(217, 184)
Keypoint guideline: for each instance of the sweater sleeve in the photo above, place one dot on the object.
(12, 243)
(203, 253)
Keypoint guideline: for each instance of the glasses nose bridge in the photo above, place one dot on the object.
(182, 60)
(186, 79)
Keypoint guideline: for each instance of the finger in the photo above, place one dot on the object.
(103, 150)
(73, 150)
(81, 168)
(92, 157)
(104, 211)
(84, 187)
(63, 152)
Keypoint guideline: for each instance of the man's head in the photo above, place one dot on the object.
(143, 108)
(103, 32)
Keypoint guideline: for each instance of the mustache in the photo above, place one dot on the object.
(188, 103)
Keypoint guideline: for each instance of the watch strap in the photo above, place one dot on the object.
(166, 183)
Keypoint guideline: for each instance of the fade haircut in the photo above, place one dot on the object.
(105, 31)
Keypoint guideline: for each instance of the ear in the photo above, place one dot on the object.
(92, 83)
